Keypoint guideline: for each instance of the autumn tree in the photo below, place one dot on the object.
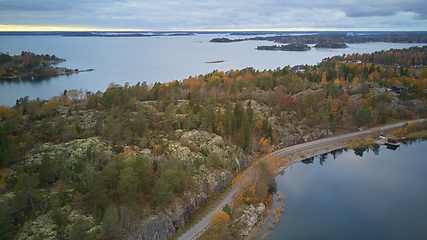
(220, 226)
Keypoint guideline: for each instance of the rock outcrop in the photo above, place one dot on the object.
(249, 218)
(299, 138)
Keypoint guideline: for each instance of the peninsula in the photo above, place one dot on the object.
(29, 64)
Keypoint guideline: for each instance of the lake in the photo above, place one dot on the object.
(374, 193)
(150, 59)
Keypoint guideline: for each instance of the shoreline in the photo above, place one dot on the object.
(298, 156)
(58, 72)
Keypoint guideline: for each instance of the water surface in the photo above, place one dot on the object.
(374, 193)
(149, 59)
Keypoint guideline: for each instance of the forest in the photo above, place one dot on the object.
(288, 47)
(103, 165)
(26, 63)
(336, 38)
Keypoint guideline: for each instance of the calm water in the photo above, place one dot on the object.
(381, 195)
(150, 59)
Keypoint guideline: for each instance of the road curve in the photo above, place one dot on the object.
(197, 229)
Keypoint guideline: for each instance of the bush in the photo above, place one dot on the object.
(118, 149)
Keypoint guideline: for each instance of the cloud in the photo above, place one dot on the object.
(219, 14)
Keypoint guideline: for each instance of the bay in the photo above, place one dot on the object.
(131, 60)
(373, 193)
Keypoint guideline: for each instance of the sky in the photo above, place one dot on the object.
(201, 15)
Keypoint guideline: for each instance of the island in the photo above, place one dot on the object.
(288, 47)
(217, 61)
(29, 64)
(226, 40)
(331, 45)
(330, 40)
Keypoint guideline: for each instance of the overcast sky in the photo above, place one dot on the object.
(216, 14)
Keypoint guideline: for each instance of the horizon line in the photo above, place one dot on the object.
(29, 28)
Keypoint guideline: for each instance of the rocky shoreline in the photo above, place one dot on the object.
(51, 72)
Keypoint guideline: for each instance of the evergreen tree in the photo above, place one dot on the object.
(111, 173)
(48, 170)
(140, 168)
(6, 222)
(111, 223)
(128, 185)
(162, 192)
(363, 116)
(238, 116)
(228, 120)
(189, 121)
(25, 192)
(168, 117)
(78, 229)
(97, 191)
(142, 125)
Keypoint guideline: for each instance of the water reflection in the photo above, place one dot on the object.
(359, 195)
(28, 79)
(308, 160)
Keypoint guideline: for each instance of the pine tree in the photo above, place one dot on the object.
(141, 171)
(78, 229)
(25, 192)
(111, 223)
(128, 185)
(238, 116)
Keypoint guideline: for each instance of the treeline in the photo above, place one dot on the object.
(288, 47)
(26, 61)
(331, 45)
(320, 38)
(395, 58)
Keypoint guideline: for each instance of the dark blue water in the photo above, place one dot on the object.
(379, 195)
(149, 59)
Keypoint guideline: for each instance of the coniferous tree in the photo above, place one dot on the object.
(238, 116)
(78, 229)
(97, 192)
(141, 171)
(127, 185)
(6, 222)
(111, 223)
(25, 192)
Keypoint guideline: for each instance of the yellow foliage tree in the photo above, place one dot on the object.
(264, 144)
(5, 112)
(323, 81)
(258, 125)
(3, 180)
(356, 79)
(219, 221)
